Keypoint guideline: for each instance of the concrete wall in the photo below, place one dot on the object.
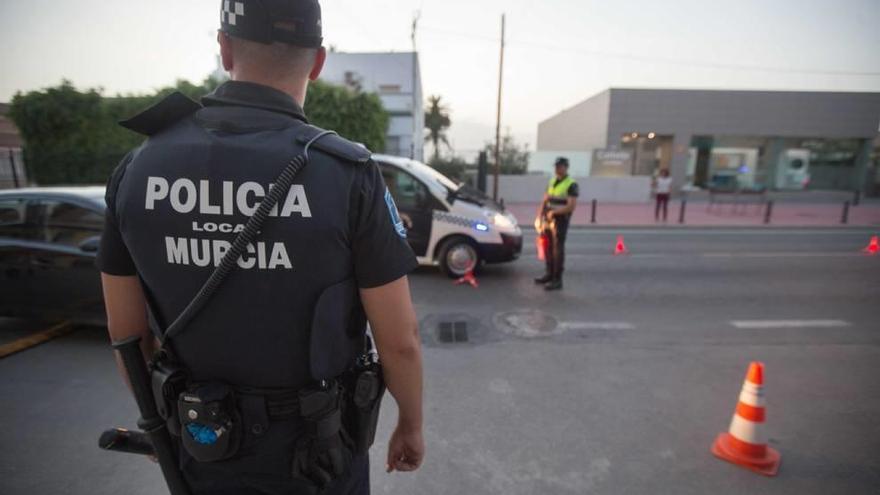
(531, 188)
(583, 127)
(744, 113)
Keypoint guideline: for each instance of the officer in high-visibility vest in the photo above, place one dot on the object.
(555, 211)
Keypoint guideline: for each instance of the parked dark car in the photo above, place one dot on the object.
(49, 238)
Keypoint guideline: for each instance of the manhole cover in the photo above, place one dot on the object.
(452, 332)
(529, 324)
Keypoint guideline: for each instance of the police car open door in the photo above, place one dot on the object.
(415, 206)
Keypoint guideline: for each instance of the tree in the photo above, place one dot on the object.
(436, 122)
(453, 167)
(514, 158)
(72, 137)
(353, 114)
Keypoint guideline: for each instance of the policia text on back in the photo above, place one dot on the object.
(341, 409)
(299, 414)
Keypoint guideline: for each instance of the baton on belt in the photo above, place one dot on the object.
(126, 441)
(150, 422)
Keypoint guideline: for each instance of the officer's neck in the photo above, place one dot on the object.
(296, 89)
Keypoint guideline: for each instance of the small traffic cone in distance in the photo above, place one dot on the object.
(620, 248)
(468, 279)
(873, 246)
(745, 444)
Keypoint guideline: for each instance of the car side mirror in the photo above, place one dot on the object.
(90, 245)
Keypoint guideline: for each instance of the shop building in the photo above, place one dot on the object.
(775, 140)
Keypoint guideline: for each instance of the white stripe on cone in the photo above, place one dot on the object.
(747, 431)
(752, 395)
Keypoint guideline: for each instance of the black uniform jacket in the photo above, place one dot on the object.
(175, 204)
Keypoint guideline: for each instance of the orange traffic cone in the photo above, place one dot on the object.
(745, 444)
(468, 279)
(620, 248)
(873, 246)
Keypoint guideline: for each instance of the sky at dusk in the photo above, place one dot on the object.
(559, 52)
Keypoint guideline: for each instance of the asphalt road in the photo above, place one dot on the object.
(617, 385)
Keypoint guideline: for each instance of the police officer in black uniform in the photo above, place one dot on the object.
(175, 207)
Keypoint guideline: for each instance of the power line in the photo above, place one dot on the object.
(655, 59)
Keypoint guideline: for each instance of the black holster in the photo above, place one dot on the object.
(367, 390)
(325, 452)
(168, 379)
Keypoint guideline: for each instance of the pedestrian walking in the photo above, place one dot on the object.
(662, 191)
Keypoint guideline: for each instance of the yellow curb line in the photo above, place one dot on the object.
(36, 339)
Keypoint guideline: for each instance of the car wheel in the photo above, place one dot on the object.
(458, 256)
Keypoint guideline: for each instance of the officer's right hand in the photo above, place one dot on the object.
(406, 450)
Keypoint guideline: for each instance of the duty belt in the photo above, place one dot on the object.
(280, 404)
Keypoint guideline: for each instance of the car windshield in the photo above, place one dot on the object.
(437, 177)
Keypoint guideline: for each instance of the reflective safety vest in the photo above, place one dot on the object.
(559, 192)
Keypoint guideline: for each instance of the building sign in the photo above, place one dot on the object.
(611, 163)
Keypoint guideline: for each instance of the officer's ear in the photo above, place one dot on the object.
(225, 50)
(320, 58)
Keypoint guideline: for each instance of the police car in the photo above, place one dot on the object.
(451, 225)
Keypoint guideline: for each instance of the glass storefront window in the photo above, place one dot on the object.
(650, 152)
(832, 152)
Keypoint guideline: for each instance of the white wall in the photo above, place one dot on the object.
(530, 188)
(544, 161)
(583, 127)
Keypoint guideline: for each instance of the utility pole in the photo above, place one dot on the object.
(417, 105)
(498, 115)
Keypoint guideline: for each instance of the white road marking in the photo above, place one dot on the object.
(627, 255)
(781, 255)
(767, 324)
(708, 232)
(711, 255)
(597, 325)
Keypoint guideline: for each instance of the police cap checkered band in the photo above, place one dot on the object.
(296, 22)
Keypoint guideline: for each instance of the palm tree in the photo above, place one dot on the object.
(436, 122)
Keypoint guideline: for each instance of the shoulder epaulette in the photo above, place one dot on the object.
(335, 145)
(173, 108)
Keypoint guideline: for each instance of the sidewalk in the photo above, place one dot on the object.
(700, 214)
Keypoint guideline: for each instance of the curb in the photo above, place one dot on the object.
(853, 228)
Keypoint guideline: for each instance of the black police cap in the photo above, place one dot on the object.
(562, 161)
(295, 22)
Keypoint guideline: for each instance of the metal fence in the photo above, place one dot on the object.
(12, 169)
